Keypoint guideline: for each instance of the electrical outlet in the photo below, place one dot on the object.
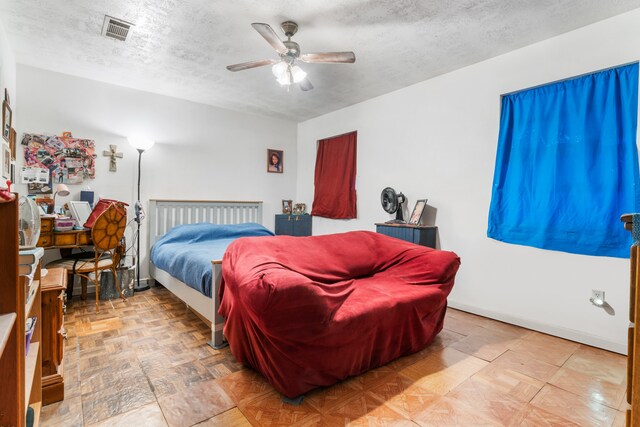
(597, 298)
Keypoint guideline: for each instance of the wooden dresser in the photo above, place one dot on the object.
(53, 287)
(633, 351)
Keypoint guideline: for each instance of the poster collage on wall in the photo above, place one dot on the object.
(68, 160)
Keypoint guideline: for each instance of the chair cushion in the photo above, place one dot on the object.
(81, 265)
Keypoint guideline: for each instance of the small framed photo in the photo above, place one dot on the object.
(7, 117)
(275, 161)
(300, 209)
(12, 143)
(287, 206)
(6, 161)
(417, 211)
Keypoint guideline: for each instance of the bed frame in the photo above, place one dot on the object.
(166, 214)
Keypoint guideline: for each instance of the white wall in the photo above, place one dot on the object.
(437, 139)
(7, 69)
(7, 81)
(201, 152)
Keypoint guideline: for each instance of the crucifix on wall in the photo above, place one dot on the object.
(113, 155)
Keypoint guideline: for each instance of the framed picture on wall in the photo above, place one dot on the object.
(417, 211)
(6, 161)
(12, 143)
(7, 117)
(275, 161)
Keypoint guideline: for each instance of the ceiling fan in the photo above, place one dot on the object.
(285, 70)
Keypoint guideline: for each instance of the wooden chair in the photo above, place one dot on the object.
(106, 234)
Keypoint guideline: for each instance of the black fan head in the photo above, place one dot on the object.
(389, 199)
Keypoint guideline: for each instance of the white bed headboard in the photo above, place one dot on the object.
(166, 214)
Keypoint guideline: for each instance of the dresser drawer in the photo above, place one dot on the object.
(64, 239)
(46, 224)
(84, 239)
(45, 240)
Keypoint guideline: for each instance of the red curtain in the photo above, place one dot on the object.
(335, 178)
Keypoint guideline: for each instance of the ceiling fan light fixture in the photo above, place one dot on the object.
(280, 69)
(285, 79)
(298, 74)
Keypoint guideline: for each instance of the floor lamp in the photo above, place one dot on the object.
(140, 144)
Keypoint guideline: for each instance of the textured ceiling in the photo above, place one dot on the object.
(180, 47)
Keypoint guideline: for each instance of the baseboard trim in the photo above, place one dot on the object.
(558, 331)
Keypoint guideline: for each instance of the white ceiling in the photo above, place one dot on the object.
(180, 47)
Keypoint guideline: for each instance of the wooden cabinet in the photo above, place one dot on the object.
(294, 225)
(418, 234)
(20, 374)
(633, 351)
(54, 285)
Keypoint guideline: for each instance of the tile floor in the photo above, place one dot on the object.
(145, 362)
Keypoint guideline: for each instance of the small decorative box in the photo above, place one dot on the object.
(64, 224)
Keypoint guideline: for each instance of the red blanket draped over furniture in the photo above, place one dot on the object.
(311, 311)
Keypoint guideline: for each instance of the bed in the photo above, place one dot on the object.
(308, 312)
(165, 215)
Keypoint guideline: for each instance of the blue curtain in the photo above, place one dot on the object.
(567, 165)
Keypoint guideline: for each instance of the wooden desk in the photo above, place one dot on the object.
(50, 239)
(66, 241)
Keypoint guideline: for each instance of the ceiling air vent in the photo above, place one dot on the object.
(115, 28)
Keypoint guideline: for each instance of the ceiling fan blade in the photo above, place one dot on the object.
(305, 85)
(336, 57)
(250, 64)
(270, 36)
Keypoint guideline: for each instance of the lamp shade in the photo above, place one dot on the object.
(140, 143)
(63, 190)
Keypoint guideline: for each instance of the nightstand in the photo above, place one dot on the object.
(293, 225)
(419, 234)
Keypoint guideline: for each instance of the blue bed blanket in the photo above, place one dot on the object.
(186, 251)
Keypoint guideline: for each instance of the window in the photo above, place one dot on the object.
(567, 165)
(335, 177)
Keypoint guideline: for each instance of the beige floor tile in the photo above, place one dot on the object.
(178, 378)
(324, 399)
(620, 420)
(600, 364)
(447, 411)
(231, 418)
(508, 382)
(486, 401)
(363, 410)
(590, 387)
(572, 407)
(546, 348)
(270, 411)
(464, 326)
(486, 344)
(67, 413)
(148, 415)
(403, 396)
(443, 370)
(244, 385)
(526, 365)
(536, 417)
(109, 402)
(196, 403)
